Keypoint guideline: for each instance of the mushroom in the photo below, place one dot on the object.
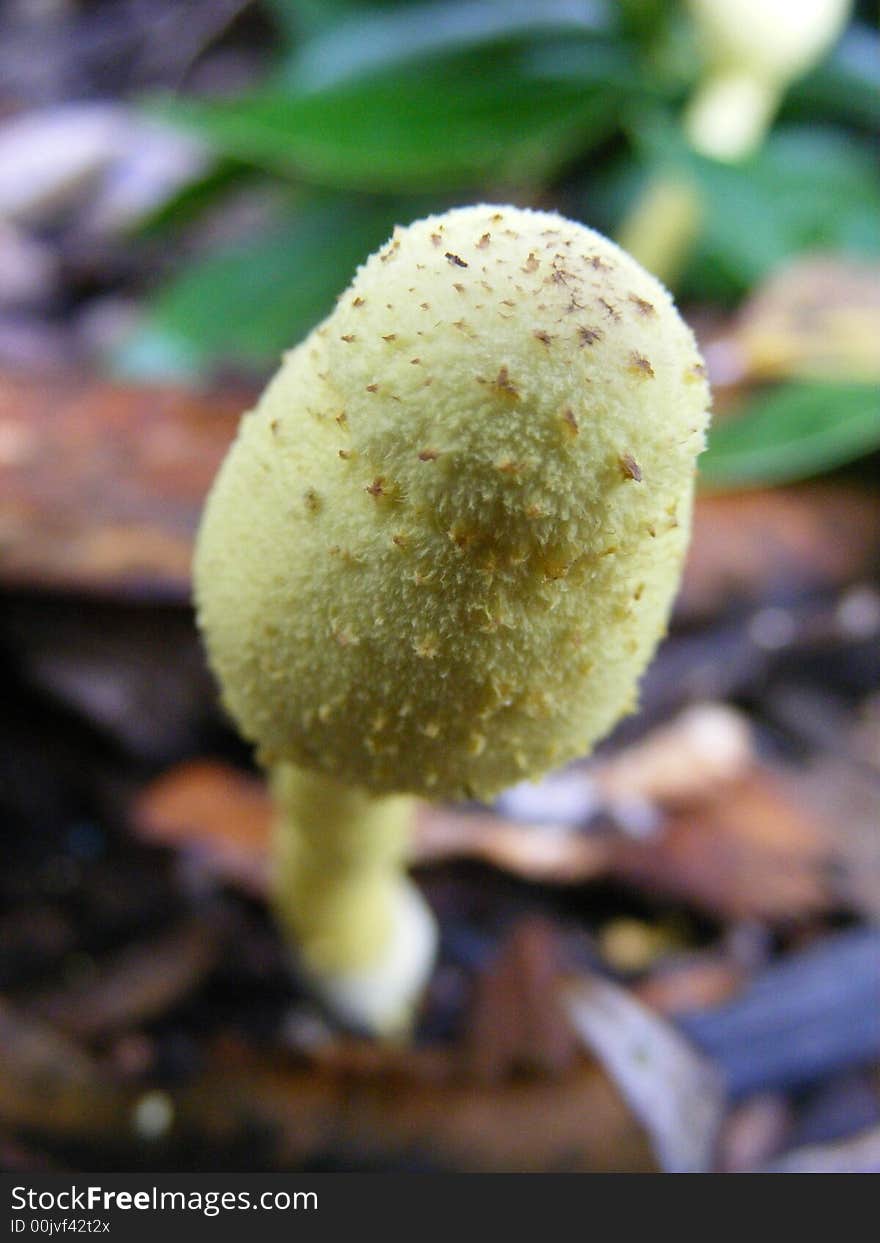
(754, 49)
(439, 555)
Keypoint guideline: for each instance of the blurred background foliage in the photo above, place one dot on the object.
(185, 188)
(372, 115)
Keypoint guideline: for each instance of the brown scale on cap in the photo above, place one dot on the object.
(640, 366)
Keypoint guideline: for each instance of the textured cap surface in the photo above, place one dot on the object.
(445, 544)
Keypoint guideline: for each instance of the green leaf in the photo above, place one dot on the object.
(297, 18)
(246, 305)
(846, 85)
(195, 197)
(441, 127)
(367, 41)
(791, 433)
(806, 190)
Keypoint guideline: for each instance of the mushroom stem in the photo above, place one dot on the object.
(364, 936)
(731, 113)
(754, 50)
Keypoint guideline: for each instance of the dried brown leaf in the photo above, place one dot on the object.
(575, 1123)
(751, 850)
(214, 810)
(138, 984)
(754, 546)
(518, 1024)
(753, 853)
(847, 797)
(50, 1086)
(101, 485)
(687, 761)
(674, 1090)
(526, 850)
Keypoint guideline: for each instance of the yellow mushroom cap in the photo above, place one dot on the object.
(445, 544)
